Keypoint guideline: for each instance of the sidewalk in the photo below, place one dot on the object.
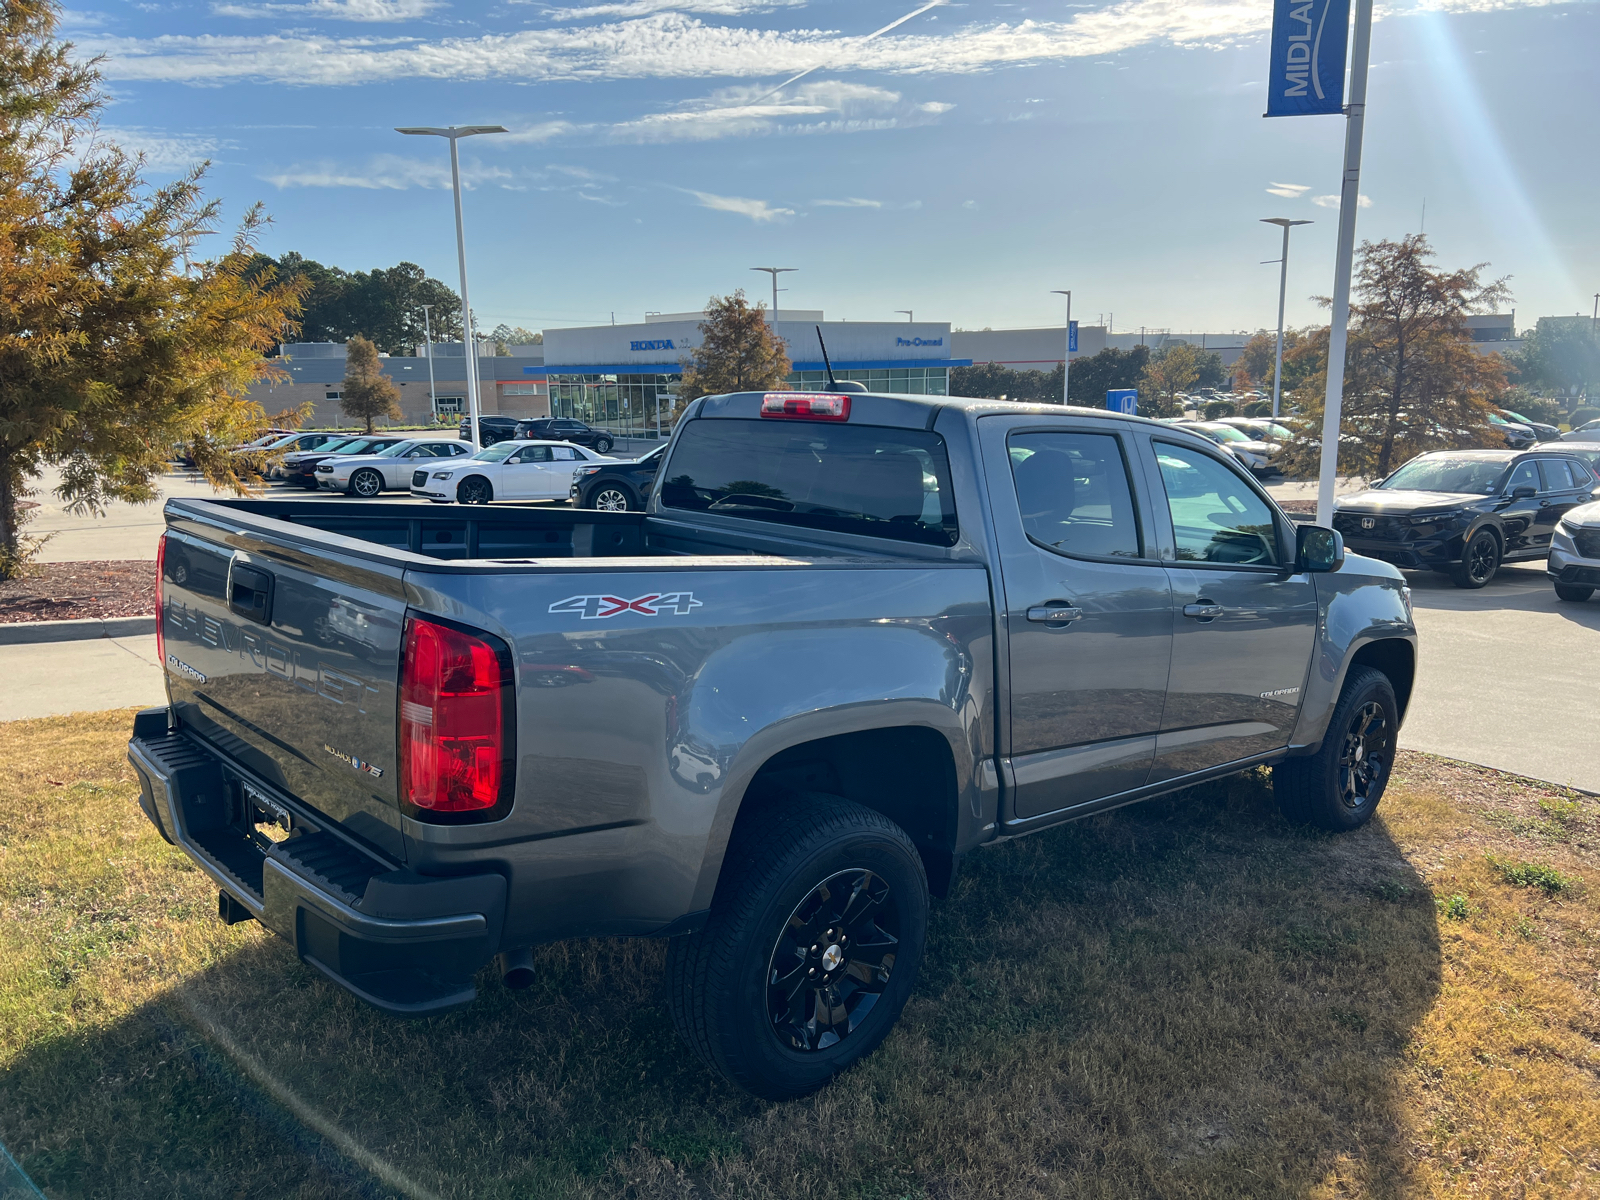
(48, 679)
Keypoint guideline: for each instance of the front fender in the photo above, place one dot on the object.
(1363, 603)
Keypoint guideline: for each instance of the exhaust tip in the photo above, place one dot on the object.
(516, 968)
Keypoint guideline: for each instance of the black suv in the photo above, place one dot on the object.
(616, 487)
(495, 429)
(564, 429)
(1464, 512)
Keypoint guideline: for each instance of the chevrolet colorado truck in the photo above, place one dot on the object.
(851, 639)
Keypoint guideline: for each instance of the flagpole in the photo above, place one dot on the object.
(1349, 199)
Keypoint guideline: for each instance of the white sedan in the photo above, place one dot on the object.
(511, 470)
(366, 475)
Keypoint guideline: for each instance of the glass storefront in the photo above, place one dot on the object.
(914, 381)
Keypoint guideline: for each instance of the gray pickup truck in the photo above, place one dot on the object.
(852, 638)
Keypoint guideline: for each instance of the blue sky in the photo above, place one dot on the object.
(962, 164)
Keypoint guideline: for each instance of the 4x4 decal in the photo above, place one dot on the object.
(594, 608)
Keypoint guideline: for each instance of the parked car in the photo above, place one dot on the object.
(1545, 433)
(366, 475)
(1589, 431)
(301, 467)
(508, 470)
(1588, 454)
(564, 429)
(1261, 429)
(853, 639)
(1574, 562)
(1518, 436)
(495, 429)
(1465, 512)
(1253, 454)
(616, 486)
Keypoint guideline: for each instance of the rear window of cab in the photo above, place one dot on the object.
(862, 479)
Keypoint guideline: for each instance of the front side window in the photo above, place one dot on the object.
(1526, 475)
(1074, 493)
(1216, 516)
(861, 479)
(533, 454)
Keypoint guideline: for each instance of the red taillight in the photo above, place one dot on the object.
(455, 713)
(806, 406)
(161, 632)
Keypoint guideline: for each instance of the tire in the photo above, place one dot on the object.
(1573, 592)
(1480, 559)
(602, 445)
(1340, 785)
(474, 489)
(818, 855)
(612, 498)
(488, 440)
(366, 483)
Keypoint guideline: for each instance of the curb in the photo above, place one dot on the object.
(21, 633)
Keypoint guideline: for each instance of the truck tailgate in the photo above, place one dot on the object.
(287, 661)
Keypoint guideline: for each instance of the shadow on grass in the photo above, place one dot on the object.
(1182, 998)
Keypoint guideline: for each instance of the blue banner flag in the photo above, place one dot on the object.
(1306, 75)
(1072, 338)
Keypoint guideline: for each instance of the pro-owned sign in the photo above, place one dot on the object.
(1306, 75)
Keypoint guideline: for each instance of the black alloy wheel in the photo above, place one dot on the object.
(366, 483)
(602, 445)
(1365, 757)
(488, 440)
(475, 489)
(833, 960)
(1575, 593)
(811, 948)
(1480, 559)
(1340, 785)
(612, 499)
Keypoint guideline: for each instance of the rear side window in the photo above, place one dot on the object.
(865, 479)
(1074, 493)
(1556, 476)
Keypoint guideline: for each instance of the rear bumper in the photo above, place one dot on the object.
(405, 943)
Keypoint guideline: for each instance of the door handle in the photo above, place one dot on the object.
(250, 592)
(1202, 612)
(1544, 504)
(1054, 614)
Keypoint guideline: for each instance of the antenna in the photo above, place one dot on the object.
(833, 384)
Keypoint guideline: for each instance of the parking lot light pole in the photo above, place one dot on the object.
(469, 343)
(1066, 353)
(775, 272)
(911, 317)
(427, 345)
(1283, 287)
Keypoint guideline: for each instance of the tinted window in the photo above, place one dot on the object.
(1216, 516)
(1074, 493)
(889, 483)
(1525, 475)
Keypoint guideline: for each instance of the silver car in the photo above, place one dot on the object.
(366, 475)
(1574, 563)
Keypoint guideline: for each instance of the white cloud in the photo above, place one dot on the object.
(164, 151)
(1290, 191)
(969, 204)
(674, 45)
(1333, 201)
(756, 210)
(852, 202)
(935, 107)
(645, 8)
(383, 172)
(334, 10)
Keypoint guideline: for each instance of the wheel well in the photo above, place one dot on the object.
(1396, 659)
(907, 773)
(470, 478)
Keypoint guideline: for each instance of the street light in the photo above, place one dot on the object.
(1066, 354)
(1283, 286)
(469, 343)
(774, 272)
(910, 316)
(427, 343)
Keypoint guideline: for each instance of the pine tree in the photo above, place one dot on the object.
(113, 353)
(367, 392)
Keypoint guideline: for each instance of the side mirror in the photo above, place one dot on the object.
(1317, 549)
(1524, 493)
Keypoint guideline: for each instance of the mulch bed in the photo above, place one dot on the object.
(75, 590)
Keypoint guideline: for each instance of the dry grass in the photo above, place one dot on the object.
(1187, 998)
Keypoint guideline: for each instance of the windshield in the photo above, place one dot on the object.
(363, 446)
(1476, 475)
(396, 449)
(1223, 433)
(1506, 412)
(498, 452)
(337, 444)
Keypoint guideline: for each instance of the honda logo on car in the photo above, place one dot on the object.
(656, 344)
(1369, 522)
(597, 608)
